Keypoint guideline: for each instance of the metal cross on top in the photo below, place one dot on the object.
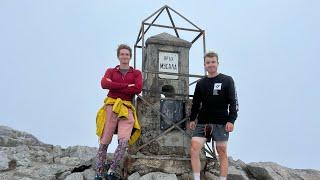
(141, 35)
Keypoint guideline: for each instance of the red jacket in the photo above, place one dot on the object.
(118, 88)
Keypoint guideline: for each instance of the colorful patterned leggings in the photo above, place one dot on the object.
(124, 127)
(101, 158)
(118, 156)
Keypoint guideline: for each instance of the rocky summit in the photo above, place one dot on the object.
(23, 156)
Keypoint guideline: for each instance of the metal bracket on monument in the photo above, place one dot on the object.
(166, 119)
(174, 125)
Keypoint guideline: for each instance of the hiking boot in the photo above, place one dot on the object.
(97, 177)
(106, 167)
(112, 176)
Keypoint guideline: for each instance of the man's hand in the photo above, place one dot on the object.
(229, 127)
(131, 85)
(192, 125)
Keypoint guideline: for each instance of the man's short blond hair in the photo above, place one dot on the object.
(211, 54)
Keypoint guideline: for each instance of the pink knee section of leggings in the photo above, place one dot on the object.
(112, 122)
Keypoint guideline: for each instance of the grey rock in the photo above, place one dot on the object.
(134, 176)
(237, 163)
(307, 174)
(25, 178)
(35, 160)
(63, 175)
(88, 174)
(11, 138)
(42, 171)
(41, 154)
(74, 176)
(186, 176)
(7, 175)
(210, 176)
(159, 176)
(57, 151)
(83, 152)
(80, 154)
(269, 171)
(236, 174)
(22, 156)
(171, 166)
(4, 161)
(70, 161)
(273, 171)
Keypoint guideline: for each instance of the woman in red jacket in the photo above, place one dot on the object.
(122, 82)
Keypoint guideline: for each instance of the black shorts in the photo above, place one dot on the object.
(219, 132)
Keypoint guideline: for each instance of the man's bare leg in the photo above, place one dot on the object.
(196, 146)
(223, 159)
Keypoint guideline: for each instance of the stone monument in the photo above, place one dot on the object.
(164, 105)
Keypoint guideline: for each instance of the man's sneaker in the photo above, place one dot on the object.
(97, 177)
